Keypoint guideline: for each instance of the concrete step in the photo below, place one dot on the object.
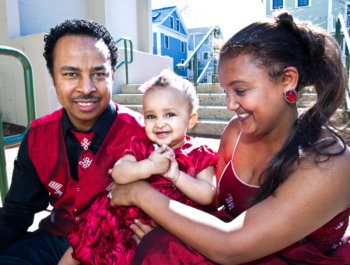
(209, 127)
(204, 112)
(201, 88)
(204, 99)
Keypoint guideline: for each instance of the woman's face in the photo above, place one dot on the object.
(258, 102)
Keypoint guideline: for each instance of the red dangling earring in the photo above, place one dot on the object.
(291, 95)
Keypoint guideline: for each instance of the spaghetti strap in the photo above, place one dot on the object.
(234, 150)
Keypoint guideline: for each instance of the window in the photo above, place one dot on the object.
(177, 25)
(189, 65)
(276, 4)
(303, 2)
(205, 56)
(166, 42)
(182, 46)
(348, 15)
(182, 62)
(156, 15)
(171, 20)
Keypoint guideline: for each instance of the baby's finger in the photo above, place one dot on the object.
(171, 158)
(109, 172)
(136, 239)
(160, 150)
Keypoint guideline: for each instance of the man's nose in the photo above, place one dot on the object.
(86, 85)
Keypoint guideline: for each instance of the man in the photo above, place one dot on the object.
(65, 156)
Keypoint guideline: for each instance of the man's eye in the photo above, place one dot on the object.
(170, 115)
(150, 117)
(71, 74)
(100, 74)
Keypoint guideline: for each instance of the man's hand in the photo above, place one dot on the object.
(159, 161)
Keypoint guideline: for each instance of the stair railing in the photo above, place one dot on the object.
(216, 34)
(126, 62)
(31, 115)
(340, 25)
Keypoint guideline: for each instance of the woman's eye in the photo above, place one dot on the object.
(240, 91)
(170, 115)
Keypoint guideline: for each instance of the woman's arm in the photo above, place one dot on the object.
(128, 170)
(308, 199)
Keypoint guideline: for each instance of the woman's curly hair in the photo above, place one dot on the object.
(78, 27)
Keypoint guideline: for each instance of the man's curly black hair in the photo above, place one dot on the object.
(78, 27)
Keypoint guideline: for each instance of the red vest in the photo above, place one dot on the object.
(70, 198)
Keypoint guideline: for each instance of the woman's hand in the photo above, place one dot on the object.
(141, 229)
(126, 194)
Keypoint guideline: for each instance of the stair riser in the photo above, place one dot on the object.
(204, 99)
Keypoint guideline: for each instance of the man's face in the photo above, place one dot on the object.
(83, 78)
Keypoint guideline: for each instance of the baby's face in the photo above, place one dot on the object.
(166, 112)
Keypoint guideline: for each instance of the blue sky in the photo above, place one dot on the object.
(230, 15)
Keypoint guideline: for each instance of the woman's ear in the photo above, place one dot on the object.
(290, 78)
(192, 121)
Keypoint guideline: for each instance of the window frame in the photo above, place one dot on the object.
(283, 4)
(182, 46)
(165, 36)
(205, 53)
(171, 22)
(297, 3)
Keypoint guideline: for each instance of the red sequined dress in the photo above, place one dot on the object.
(104, 236)
(323, 246)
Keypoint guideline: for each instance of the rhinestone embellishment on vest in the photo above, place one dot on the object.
(86, 162)
(85, 144)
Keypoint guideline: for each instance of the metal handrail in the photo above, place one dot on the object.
(194, 56)
(204, 70)
(126, 57)
(31, 114)
(341, 25)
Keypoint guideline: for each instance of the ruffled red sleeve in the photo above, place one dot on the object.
(204, 157)
(140, 148)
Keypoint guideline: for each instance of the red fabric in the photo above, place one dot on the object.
(70, 198)
(104, 236)
(320, 247)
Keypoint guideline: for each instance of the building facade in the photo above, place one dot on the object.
(170, 35)
(204, 53)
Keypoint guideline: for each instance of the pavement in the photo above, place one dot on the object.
(11, 153)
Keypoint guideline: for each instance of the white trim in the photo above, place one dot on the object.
(330, 27)
(171, 17)
(169, 30)
(159, 44)
(165, 36)
(265, 6)
(296, 4)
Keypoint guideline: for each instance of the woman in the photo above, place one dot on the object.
(284, 179)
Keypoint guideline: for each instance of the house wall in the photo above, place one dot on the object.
(40, 15)
(174, 52)
(166, 22)
(144, 67)
(155, 45)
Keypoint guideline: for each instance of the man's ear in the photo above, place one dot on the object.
(192, 121)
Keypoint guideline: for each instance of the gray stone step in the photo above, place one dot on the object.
(204, 99)
(209, 127)
(201, 88)
(204, 112)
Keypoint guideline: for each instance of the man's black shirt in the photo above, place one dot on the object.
(27, 195)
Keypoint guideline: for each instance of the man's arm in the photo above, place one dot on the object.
(27, 196)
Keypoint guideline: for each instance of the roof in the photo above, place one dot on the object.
(163, 13)
(202, 31)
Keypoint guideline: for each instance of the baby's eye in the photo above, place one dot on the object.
(170, 115)
(150, 117)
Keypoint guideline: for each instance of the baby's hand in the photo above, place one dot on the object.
(173, 171)
(159, 160)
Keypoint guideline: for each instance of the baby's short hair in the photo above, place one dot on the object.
(168, 78)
